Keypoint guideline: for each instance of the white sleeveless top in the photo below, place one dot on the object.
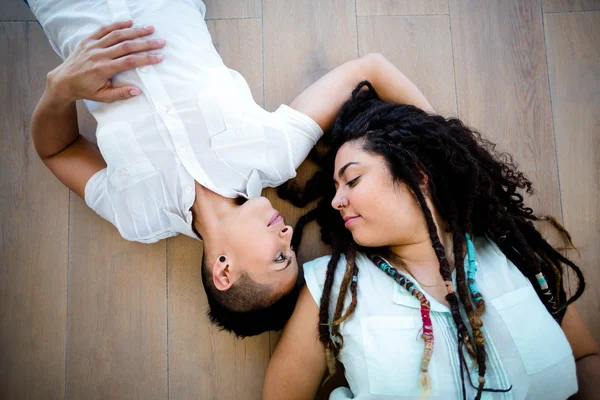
(382, 349)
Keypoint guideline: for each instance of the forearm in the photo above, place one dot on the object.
(54, 123)
(393, 86)
(588, 376)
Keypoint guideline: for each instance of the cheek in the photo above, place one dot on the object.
(390, 216)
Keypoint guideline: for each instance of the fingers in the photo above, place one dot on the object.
(133, 46)
(121, 35)
(132, 61)
(111, 94)
(105, 30)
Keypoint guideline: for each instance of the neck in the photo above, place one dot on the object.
(208, 209)
(420, 253)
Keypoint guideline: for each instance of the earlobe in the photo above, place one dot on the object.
(222, 274)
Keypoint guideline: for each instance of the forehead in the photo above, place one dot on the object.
(350, 151)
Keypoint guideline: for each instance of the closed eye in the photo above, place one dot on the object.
(353, 181)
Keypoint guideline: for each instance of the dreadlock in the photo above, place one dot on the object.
(476, 190)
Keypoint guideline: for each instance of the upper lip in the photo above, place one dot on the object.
(350, 217)
(273, 218)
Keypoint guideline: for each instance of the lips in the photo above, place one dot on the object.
(349, 220)
(275, 218)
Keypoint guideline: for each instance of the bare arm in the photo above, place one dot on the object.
(323, 99)
(585, 351)
(298, 362)
(85, 74)
(70, 157)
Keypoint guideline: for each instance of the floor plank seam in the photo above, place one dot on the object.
(560, 200)
(167, 305)
(67, 299)
(553, 125)
(453, 62)
(228, 19)
(262, 35)
(356, 25)
(401, 15)
(571, 12)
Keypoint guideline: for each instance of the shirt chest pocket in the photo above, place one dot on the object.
(393, 350)
(540, 341)
(127, 164)
(227, 129)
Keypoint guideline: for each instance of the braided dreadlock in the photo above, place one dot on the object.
(475, 189)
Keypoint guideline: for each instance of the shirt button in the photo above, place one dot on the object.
(239, 132)
(188, 189)
(143, 69)
(181, 151)
(162, 109)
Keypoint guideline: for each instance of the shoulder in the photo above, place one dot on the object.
(298, 122)
(315, 272)
(137, 210)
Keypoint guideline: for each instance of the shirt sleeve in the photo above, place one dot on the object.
(314, 276)
(132, 210)
(302, 133)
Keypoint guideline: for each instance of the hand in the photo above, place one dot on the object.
(112, 49)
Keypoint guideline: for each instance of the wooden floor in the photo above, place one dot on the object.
(87, 315)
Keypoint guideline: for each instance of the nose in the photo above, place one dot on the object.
(286, 232)
(336, 202)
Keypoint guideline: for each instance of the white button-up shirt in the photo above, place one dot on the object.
(196, 121)
(383, 347)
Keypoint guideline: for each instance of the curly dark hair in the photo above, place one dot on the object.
(476, 190)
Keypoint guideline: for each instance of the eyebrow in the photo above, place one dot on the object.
(345, 167)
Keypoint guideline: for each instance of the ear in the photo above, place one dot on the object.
(222, 276)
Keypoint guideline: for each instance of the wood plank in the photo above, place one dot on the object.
(570, 5)
(15, 10)
(202, 359)
(502, 87)
(421, 47)
(222, 9)
(302, 43)
(239, 43)
(401, 7)
(117, 312)
(574, 68)
(34, 223)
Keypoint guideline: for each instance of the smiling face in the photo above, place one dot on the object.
(378, 211)
(257, 242)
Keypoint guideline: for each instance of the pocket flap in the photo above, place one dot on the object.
(129, 174)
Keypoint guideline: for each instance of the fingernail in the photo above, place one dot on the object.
(158, 42)
(135, 92)
(160, 57)
(148, 27)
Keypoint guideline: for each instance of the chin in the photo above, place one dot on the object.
(366, 240)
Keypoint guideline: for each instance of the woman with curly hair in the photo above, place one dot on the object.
(439, 283)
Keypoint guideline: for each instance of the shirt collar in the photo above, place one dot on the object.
(401, 296)
(180, 225)
(254, 185)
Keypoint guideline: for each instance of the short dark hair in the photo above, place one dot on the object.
(247, 308)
